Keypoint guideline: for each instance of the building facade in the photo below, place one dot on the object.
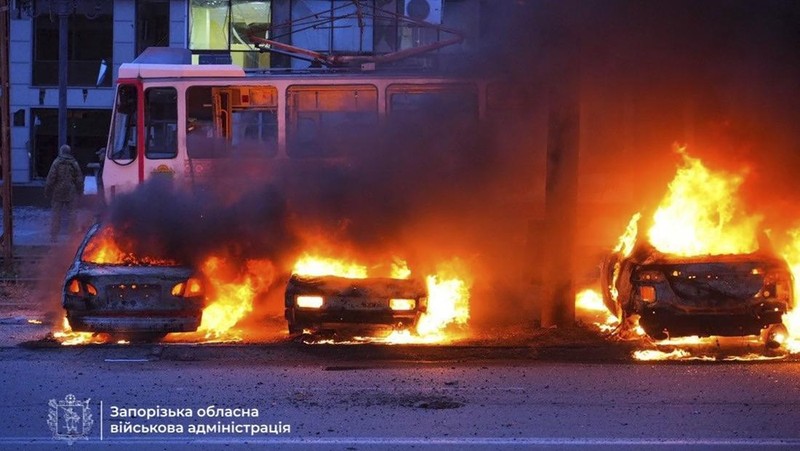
(104, 34)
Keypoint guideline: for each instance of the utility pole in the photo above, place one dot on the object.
(561, 186)
(5, 141)
(64, 11)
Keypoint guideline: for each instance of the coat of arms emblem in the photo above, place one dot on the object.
(70, 419)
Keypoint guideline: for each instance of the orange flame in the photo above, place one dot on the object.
(589, 305)
(448, 306)
(400, 269)
(105, 249)
(67, 337)
(628, 238)
(701, 214)
(234, 292)
(311, 265)
(448, 303)
(649, 355)
(625, 246)
(791, 253)
(705, 349)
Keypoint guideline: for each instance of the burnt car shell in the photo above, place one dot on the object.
(353, 304)
(132, 300)
(724, 295)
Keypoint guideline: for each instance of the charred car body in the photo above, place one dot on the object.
(141, 299)
(329, 303)
(722, 295)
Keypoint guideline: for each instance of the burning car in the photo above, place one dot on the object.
(108, 290)
(722, 295)
(333, 303)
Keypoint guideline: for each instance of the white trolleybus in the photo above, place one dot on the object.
(181, 120)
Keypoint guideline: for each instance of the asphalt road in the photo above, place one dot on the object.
(522, 388)
(389, 397)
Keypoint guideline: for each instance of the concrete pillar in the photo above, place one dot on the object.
(561, 186)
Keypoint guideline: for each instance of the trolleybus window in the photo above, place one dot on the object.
(123, 134)
(504, 100)
(225, 121)
(322, 121)
(414, 104)
(161, 123)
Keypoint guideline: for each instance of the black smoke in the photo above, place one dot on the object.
(161, 219)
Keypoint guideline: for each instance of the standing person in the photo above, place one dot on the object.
(64, 184)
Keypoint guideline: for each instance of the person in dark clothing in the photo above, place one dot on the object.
(64, 185)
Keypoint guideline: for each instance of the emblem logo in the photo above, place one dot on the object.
(163, 170)
(70, 419)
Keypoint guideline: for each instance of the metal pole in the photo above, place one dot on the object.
(5, 142)
(63, 37)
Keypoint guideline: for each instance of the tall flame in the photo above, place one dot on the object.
(234, 291)
(625, 246)
(628, 238)
(701, 214)
(791, 253)
(448, 303)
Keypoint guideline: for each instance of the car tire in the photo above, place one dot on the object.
(295, 329)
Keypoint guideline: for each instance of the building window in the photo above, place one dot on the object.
(84, 55)
(312, 29)
(88, 133)
(152, 24)
(223, 25)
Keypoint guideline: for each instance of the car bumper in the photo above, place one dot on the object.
(731, 322)
(340, 319)
(142, 322)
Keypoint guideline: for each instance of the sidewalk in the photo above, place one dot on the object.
(31, 214)
(31, 225)
(32, 194)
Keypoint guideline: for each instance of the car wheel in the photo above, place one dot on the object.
(294, 329)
